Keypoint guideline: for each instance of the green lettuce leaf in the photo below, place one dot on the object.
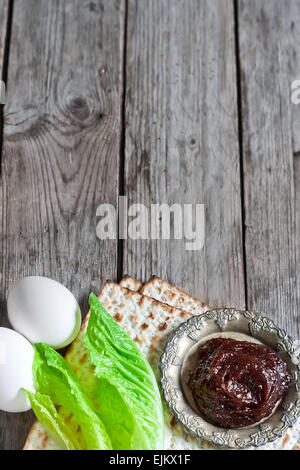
(127, 393)
(54, 424)
(54, 378)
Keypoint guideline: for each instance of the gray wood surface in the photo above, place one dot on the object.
(60, 150)
(269, 49)
(3, 25)
(182, 140)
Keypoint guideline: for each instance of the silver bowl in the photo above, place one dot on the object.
(242, 325)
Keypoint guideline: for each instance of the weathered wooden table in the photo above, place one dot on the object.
(162, 101)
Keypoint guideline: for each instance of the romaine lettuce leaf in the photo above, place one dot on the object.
(54, 377)
(52, 421)
(128, 396)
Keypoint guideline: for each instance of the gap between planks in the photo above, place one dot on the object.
(4, 66)
(240, 137)
(120, 246)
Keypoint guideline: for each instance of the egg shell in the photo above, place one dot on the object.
(44, 311)
(16, 358)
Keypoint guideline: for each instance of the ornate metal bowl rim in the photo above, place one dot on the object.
(260, 434)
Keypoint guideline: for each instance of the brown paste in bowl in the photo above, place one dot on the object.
(237, 383)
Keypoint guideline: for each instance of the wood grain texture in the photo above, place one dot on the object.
(269, 40)
(4, 27)
(182, 142)
(60, 151)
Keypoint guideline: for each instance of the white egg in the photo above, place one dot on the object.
(44, 311)
(16, 357)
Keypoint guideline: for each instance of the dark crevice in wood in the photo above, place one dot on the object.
(296, 154)
(7, 41)
(122, 157)
(5, 70)
(240, 135)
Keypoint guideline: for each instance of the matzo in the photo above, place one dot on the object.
(164, 292)
(132, 284)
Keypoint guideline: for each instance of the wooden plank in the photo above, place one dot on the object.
(294, 74)
(182, 140)
(269, 39)
(3, 28)
(60, 152)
